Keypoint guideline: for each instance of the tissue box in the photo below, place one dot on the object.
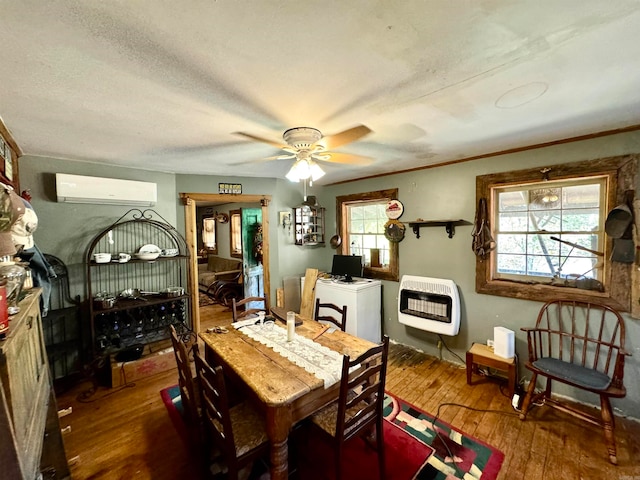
(503, 342)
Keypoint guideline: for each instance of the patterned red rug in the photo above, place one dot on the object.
(415, 448)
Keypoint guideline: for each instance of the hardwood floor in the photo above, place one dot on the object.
(126, 433)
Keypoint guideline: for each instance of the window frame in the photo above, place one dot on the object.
(496, 191)
(233, 237)
(213, 250)
(380, 273)
(620, 173)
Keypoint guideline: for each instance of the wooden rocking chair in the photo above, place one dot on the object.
(582, 345)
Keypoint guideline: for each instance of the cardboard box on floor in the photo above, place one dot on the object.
(147, 365)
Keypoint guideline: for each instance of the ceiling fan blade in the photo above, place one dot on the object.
(279, 157)
(261, 160)
(260, 139)
(331, 142)
(344, 158)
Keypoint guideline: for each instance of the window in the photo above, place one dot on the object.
(209, 230)
(551, 232)
(235, 233)
(361, 219)
(548, 225)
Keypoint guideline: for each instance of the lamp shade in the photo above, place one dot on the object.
(304, 169)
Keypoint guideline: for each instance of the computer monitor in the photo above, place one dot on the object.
(347, 266)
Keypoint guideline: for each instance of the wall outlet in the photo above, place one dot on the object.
(515, 401)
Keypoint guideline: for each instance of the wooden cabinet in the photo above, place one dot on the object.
(9, 153)
(309, 224)
(148, 293)
(30, 437)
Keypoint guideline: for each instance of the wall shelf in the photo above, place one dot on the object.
(309, 225)
(450, 225)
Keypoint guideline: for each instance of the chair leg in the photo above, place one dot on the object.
(338, 460)
(528, 396)
(547, 390)
(380, 442)
(608, 425)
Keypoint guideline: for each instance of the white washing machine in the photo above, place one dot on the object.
(363, 299)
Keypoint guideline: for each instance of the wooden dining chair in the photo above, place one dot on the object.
(359, 407)
(189, 391)
(236, 433)
(341, 322)
(241, 309)
(582, 345)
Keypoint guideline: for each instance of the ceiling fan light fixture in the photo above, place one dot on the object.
(303, 170)
(302, 137)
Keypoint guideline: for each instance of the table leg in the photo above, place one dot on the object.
(278, 427)
(512, 379)
(469, 367)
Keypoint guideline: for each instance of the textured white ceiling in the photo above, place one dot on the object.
(164, 85)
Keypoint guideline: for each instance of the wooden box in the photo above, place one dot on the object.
(127, 372)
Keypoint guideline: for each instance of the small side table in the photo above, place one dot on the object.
(480, 354)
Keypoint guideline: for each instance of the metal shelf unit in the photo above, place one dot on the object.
(145, 318)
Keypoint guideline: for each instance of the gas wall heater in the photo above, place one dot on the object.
(430, 304)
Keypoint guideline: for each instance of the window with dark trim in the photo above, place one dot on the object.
(361, 218)
(548, 226)
(235, 233)
(209, 234)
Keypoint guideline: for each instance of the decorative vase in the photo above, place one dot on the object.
(14, 275)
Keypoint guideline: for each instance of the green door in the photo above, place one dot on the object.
(252, 253)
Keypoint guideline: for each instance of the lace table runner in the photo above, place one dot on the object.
(317, 359)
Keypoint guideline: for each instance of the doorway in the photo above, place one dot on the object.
(191, 201)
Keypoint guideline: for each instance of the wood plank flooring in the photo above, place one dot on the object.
(126, 433)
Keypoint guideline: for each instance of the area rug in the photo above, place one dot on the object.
(414, 451)
(204, 299)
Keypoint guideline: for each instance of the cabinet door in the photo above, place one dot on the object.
(28, 385)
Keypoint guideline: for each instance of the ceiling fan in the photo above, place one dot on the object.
(307, 145)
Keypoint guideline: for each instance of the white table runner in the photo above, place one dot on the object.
(317, 359)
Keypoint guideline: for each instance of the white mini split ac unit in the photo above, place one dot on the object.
(110, 191)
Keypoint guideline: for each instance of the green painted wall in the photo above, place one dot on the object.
(65, 230)
(448, 192)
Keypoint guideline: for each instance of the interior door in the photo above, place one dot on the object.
(252, 253)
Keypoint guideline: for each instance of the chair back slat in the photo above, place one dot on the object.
(341, 322)
(361, 391)
(218, 428)
(240, 308)
(188, 389)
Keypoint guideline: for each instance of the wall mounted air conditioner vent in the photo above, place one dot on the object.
(105, 191)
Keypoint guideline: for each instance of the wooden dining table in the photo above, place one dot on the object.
(285, 392)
